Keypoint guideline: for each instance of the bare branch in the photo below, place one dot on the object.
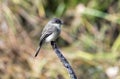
(63, 60)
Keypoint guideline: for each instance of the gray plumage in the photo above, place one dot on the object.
(50, 32)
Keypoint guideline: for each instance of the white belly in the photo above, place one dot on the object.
(52, 37)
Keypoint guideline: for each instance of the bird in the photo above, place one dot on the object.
(50, 33)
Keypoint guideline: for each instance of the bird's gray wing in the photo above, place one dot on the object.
(41, 42)
(45, 34)
(48, 30)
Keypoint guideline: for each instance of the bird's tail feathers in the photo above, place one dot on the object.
(38, 49)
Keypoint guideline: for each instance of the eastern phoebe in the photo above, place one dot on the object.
(50, 32)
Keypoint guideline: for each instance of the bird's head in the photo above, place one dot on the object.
(56, 21)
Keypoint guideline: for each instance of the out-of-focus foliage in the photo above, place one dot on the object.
(90, 39)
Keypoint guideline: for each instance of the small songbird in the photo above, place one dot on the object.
(50, 32)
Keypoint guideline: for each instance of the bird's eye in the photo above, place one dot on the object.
(57, 21)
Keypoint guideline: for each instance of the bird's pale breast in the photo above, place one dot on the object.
(54, 35)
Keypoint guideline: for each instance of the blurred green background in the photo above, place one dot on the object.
(90, 39)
